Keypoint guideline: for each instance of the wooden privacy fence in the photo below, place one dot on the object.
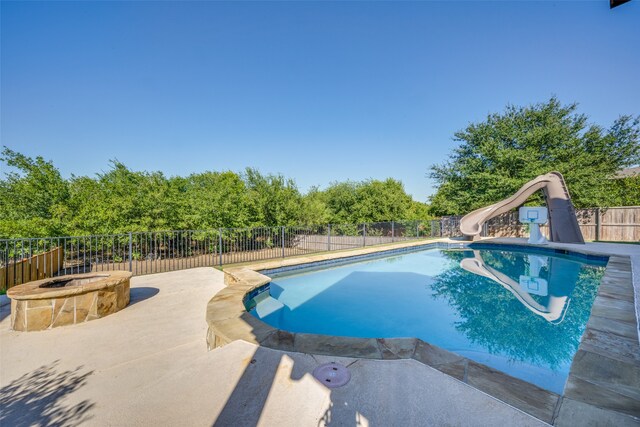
(36, 267)
(617, 224)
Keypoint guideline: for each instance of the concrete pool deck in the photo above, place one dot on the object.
(604, 379)
(148, 365)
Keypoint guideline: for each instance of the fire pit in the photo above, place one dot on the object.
(67, 300)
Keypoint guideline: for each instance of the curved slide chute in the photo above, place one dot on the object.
(563, 224)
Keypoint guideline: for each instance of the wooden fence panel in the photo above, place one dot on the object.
(620, 224)
(37, 267)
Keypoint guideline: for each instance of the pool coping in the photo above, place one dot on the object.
(604, 377)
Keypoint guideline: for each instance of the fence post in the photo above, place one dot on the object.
(328, 237)
(597, 224)
(364, 235)
(393, 231)
(6, 266)
(220, 246)
(130, 252)
(283, 241)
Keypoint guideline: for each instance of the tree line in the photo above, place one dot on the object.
(35, 200)
(492, 159)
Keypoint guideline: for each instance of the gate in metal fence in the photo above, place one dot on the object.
(24, 260)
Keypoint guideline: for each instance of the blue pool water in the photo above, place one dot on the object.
(520, 313)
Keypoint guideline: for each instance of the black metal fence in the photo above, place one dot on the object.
(23, 260)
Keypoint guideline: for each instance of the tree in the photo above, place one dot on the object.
(626, 191)
(372, 200)
(272, 199)
(340, 198)
(33, 199)
(213, 200)
(497, 156)
(381, 201)
(418, 211)
(315, 210)
(36, 201)
(121, 200)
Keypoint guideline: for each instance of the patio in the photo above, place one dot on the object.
(148, 364)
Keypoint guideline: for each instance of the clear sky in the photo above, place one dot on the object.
(315, 91)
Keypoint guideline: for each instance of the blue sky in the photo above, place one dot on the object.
(315, 91)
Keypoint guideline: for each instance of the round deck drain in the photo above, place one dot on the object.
(332, 374)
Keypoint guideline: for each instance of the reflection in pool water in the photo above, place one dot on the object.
(555, 303)
(520, 313)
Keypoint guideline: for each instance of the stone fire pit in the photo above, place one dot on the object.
(67, 300)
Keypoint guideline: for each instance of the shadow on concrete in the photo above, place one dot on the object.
(5, 307)
(342, 413)
(248, 400)
(246, 403)
(142, 293)
(37, 398)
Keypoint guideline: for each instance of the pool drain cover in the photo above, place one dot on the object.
(332, 374)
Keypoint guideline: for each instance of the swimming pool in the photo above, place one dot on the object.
(520, 312)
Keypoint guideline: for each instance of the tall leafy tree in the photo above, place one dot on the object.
(214, 199)
(33, 197)
(351, 202)
(495, 157)
(340, 198)
(381, 201)
(314, 209)
(121, 200)
(272, 199)
(626, 191)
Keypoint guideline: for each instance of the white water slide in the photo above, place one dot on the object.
(563, 224)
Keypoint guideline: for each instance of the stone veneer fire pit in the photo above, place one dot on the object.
(67, 300)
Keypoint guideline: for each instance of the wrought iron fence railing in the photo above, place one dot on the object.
(23, 260)
(27, 259)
